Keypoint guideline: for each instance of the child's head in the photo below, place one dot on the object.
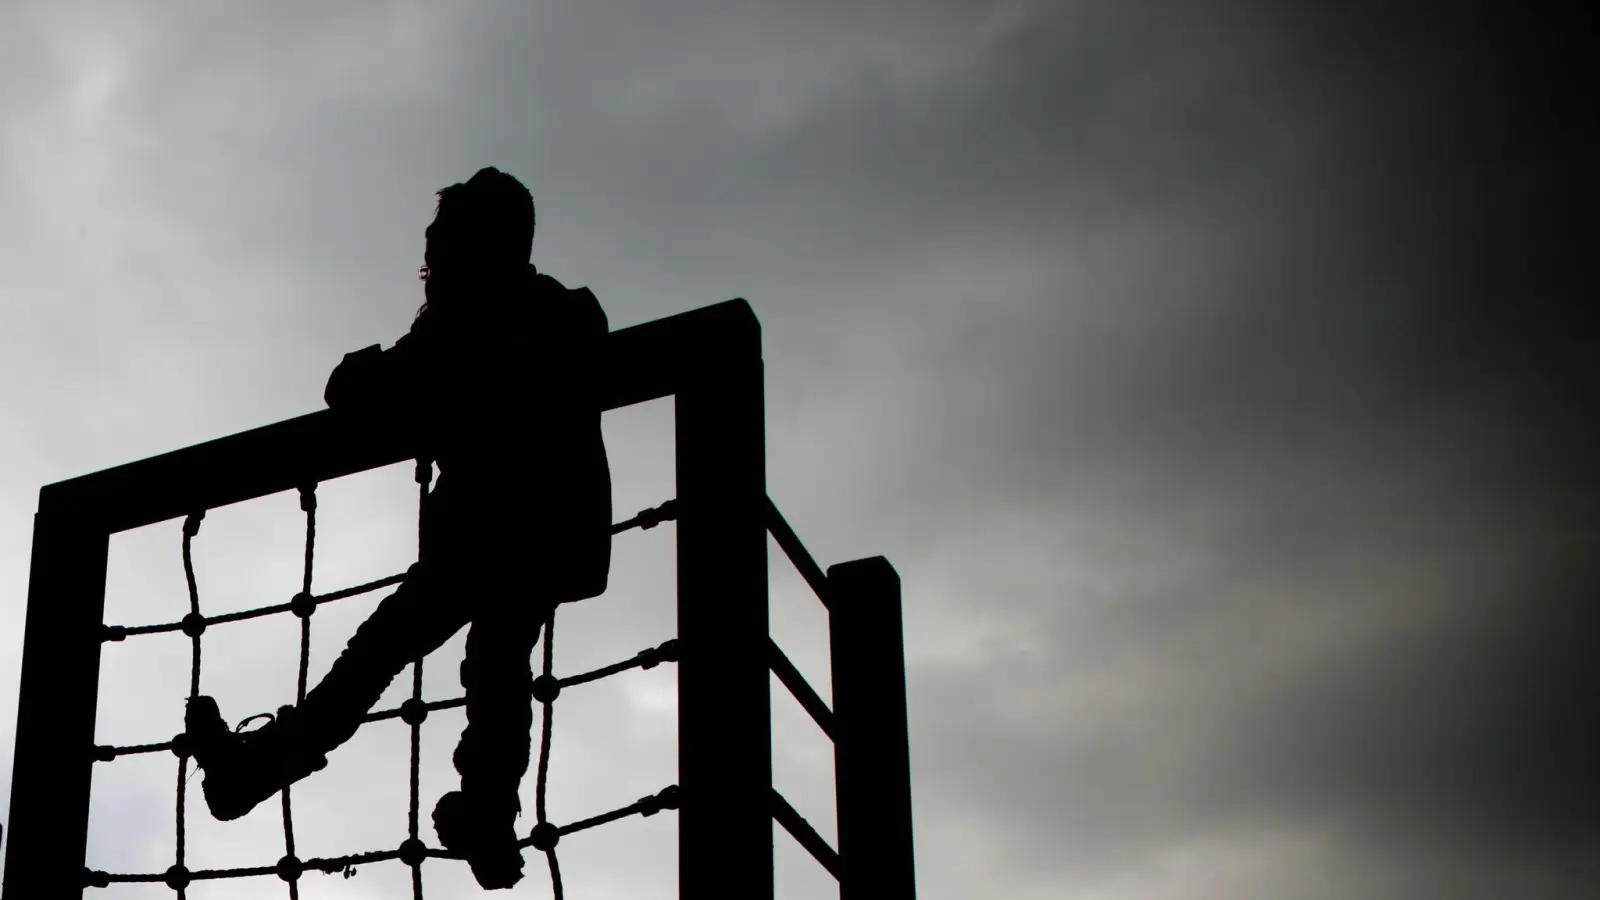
(483, 225)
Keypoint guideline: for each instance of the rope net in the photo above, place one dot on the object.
(413, 851)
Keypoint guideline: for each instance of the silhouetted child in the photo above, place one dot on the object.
(496, 382)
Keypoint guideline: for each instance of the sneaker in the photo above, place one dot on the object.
(241, 770)
(491, 851)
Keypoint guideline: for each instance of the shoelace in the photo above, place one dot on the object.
(239, 729)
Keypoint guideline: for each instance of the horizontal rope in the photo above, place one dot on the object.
(667, 651)
(649, 518)
(646, 519)
(804, 834)
(799, 688)
(648, 658)
(779, 528)
(666, 798)
(118, 632)
(644, 659)
(106, 754)
(327, 866)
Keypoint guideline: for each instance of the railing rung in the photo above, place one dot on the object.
(804, 834)
(800, 688)
(797, 553)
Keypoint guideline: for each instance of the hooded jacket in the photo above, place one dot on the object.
(500, 390)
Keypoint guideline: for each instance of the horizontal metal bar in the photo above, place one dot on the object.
(641, 363)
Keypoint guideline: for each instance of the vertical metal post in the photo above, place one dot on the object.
(724, 694)
(53, 760)
(872, 760)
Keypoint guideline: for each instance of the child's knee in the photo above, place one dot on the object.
(495, 676)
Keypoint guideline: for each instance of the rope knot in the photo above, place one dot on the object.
(412, 852)
(546, 688)
(194, 624)
(413, 711)
(666, 512)
(655, 656)
(303, 605)
(666, 799)
(545, 836)
(290, 868)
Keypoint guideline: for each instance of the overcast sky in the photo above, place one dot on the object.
(1218, 377)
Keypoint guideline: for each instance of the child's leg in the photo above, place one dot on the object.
(407, 625)
(427, 610)
(479, 821)
(497, 674)
(243, 770)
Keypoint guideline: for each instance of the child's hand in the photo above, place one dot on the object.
(365, 353)
(347, 377)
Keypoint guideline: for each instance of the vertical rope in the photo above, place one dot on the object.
(424, 476)
(416, 753)
(416, 768)
(191, 527)
(555, 875)
(308, 503)
(183, 776)
(544, 754)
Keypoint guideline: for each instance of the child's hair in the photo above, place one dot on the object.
(492, 211)
(489, 216)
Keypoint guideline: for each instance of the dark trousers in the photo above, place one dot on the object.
(468, 574)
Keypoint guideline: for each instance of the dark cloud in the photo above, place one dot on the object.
(1355, 389)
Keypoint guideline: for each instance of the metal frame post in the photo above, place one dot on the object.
(872, 758)
(724, 691)
(52, 763)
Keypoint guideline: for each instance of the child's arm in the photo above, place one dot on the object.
(373, 379)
